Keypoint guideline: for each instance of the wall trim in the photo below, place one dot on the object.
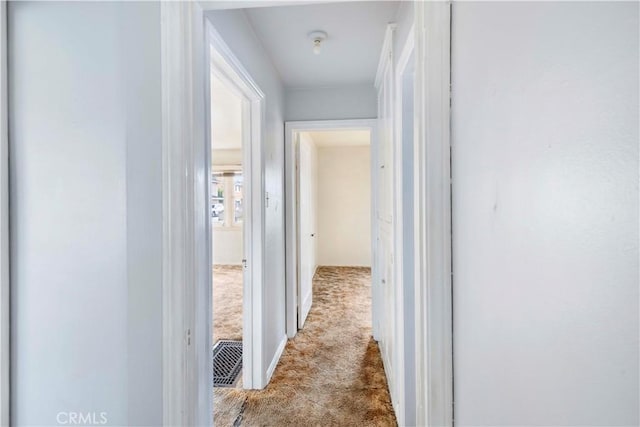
(401, 64)
(432, 215)
(276, 359)
(385, 53)
(290, 179)
(186, 281)
(5, 331)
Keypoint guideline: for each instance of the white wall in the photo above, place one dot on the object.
(227, 245)
(236, 31)
(228, 157)
(329, 103)
(85, 128)
(344, 206)
(545, 213)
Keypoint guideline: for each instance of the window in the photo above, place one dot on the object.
(217, 199)
(226, 196)
(237, 198)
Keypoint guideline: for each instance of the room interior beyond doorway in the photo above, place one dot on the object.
(227, 214)
(333, 205)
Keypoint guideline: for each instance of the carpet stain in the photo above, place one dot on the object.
(330, 374)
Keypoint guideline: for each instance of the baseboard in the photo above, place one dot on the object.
(345, 265)
(276, 359)
(391, 380)
(306, 306)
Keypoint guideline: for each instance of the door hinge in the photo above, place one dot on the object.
(244, 263)
(188, 337)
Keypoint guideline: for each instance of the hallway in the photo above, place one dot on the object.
(331, 373)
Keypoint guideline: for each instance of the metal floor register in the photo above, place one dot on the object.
(227, 363)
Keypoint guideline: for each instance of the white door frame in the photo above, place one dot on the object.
(227, 67)
(4, 224)
(290, 182)
(186, 325)
(432, 215)
(399, 232)
(186, 212)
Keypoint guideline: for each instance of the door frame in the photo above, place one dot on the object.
(4, 225)
(186, 215)
(290, 182)
(432, 214)
(229, 69)
(401, 66)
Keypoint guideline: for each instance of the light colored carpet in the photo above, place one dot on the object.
(227, 302)
(330, 374)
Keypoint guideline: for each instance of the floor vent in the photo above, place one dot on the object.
(227, 363)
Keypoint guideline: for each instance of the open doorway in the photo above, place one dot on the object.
(235, 117)
(227, 231)
(333, 209)
(330, 209)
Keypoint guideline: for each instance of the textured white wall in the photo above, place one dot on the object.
(545, 213)
(236, 31)
(86, 211)
(344, 206)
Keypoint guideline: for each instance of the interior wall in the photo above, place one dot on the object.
(236, 31)
(545, 213)
(226, 157)
(85, 125)
(227, 246)
(344, 206)
(331, 103)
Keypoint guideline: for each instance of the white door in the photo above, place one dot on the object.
(384, 218)
(306, 227)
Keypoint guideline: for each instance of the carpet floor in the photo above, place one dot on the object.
(331, 373)
(227, 302)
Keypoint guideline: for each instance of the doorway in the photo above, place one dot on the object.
(320, 230)
(227, 231)
(235, 118)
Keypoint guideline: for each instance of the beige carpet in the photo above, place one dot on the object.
(330, 374)
(227, 302)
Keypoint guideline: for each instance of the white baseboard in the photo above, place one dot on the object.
(345, 265)
(388, 372)
(276, 359)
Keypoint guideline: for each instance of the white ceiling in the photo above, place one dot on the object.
(226, 117)
(349, 55)
(342, 138)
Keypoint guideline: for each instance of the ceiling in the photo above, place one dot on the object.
(350, 54)
(342, 138)
(226, 117)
